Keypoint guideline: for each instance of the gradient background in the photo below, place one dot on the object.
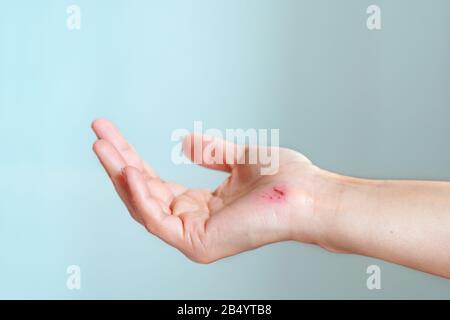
(358, 102)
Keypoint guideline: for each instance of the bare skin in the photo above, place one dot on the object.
(405, 222)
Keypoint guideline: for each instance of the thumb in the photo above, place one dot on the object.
(214, 153)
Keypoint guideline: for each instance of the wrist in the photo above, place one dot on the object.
(340, 205)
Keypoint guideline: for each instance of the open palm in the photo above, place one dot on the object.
(246, 211)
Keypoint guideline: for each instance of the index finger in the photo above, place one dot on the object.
(105, 130)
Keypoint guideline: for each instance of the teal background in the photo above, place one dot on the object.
(358, 102)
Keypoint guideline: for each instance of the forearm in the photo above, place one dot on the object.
(405, 222)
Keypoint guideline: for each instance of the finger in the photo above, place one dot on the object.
(166, 227)
(113, 163)
(213, 153)
(109, 132)
(104, 129)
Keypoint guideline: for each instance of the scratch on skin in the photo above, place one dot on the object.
(276, 194)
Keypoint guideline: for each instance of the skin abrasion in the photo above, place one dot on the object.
(274, 194)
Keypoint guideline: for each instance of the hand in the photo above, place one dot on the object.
(386, 219)
(246, 211)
